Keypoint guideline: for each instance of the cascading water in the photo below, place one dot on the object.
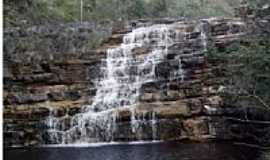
(124, 74)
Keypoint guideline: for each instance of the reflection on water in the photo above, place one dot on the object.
(156, 151)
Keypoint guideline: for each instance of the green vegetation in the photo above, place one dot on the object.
(247, 64)
(257, 3)
(29, 12)
(248, 72)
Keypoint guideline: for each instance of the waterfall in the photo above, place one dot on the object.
(203, 36)
(154, 126)
(124, 73)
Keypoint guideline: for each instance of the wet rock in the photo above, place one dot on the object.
(195, 128)
(139, 51)
(39, 113)
(148, 97)
(169, 129)
(170, 96)
(73, 95)
(74, 110)
(59, 112)
(162, 70)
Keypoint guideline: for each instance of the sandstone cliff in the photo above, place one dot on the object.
(50, 72)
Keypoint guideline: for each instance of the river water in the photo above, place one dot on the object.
(151, 151)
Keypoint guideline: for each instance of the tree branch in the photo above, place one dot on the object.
(261, 101)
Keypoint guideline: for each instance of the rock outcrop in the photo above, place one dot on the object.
(52, 74)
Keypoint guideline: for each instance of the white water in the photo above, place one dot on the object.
(124, 74)
(101, 144)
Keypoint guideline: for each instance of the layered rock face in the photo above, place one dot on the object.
(47, 67)
(150, 80)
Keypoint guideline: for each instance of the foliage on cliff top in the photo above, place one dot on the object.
(34, 12)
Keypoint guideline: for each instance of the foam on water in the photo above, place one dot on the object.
(102, 144)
